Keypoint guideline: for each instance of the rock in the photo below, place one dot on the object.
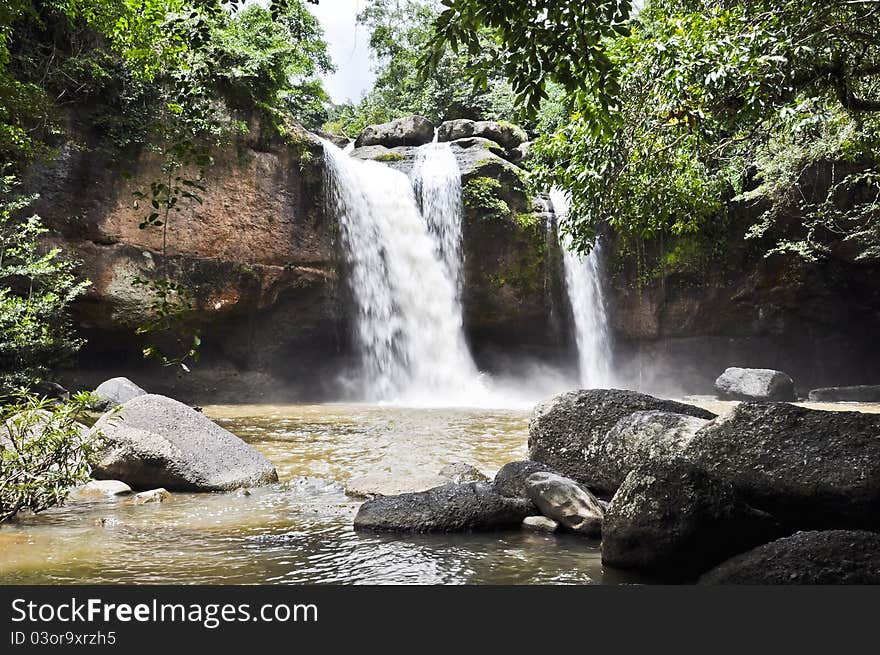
(636, 438)
(674, 521)
(828, 557)
(156, 441)
(507, 135)
(566, 502)
(511, 478)
(809, 468)
(450, 508)
(479, 142)
(336, 139)
(520, 154)
(539, 524)
(408, 131)
(563, 429)
(461, 473)
(386, 483)
(117, 391)
(754, 384)
(865, 393)
(152, 496)
(100, 489)
(455, 129)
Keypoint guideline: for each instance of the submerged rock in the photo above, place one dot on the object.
(809, 468)
(407, 131)
(151, 496)
(156, 441)
(827, 557)
(566, 502)
(117, 391)
(539, 524)
(672, 520)
(563, 430)
(511, 478)
(864, 393)
(385, 483)
(635, 439)
(755, 384)
(450, 508)
(462, 473)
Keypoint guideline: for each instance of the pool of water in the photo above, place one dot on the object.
(300, 530)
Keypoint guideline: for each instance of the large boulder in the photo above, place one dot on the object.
(455, 129)
(674, 521)
(566, 502)
(755, 384)
(450, 508)
(827, 557)
(155, 441)
(507, 135)
(563, 429)
(636, 438)
(864, 393)
(809, 468)
(510, 480)
(408, 131)
(116, 391)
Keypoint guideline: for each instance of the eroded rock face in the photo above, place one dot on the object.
(450, 508)
(826, 557)
(564, 429)
(809, 468)
(117, 391)
(407, 131)
(566, 502)
(674, 521)
(156, 441)
(755, 384)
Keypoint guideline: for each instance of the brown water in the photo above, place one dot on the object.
(300, 531)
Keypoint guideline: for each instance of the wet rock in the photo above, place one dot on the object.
(455, 129)
(507, 135)
(827, 557)
(386, 483)
(566, 502)
(151, 496)
(450, 508)
(809, 468)
(674, 521)
(337, 140)
(755, 384)
(636, 438)
(156, 441)
(563, 429)
(539, 524)
(408, 131)
(511, 478)
(462, 473)
(100, 489)
(865, 393)
(116, 391)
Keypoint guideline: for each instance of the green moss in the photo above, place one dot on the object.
(483, 194)
(389, 156)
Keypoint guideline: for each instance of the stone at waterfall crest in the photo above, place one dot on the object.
(154, 441)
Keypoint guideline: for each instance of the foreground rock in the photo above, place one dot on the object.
(564, 429)
(828, 557)
(865, 393)
(450, 508)
(566, 502)
(117, 391)
(755, 384)
(511, 478)
(635, 439)
(408, 131)
(809, 468)
(155, 441)
(674, 521)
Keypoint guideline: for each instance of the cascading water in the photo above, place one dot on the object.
(583, 279)
(409, 321)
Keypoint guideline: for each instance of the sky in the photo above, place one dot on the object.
(348, 47)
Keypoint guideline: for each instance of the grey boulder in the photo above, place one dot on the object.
(566, 502)
(829, 557)
(563, 430)
(510, 480)
(809, 468)
(455, 129)
(673, 521)
(755, 384)
(117, 391)
(507, 135)
(154, 441)
(450, 508)
(407, 131)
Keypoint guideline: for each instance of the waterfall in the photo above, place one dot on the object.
(403, 270)
(583, 279)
